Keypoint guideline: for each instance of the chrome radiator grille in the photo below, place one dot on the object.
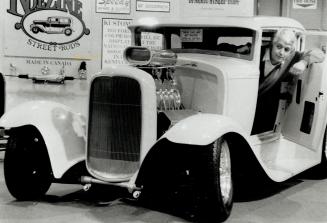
(114, 129)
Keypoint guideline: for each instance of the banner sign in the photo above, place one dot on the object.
(217, 8)
(152, 6)
(47, 29)
(305, 4)
(113, 6)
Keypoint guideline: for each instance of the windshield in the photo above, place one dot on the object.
(225, 41)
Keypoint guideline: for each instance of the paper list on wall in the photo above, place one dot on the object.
(116, 37)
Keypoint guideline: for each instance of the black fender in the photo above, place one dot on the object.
(167, 161)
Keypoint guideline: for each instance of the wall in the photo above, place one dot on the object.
(309, 15)
(269, 7)
(312, 15)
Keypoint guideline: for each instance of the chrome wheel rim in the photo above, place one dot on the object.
(225, 173)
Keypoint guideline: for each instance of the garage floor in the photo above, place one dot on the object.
(299, 200)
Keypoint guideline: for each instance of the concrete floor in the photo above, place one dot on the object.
(299, 200)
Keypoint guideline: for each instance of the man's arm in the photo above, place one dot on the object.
(242, 49)
(307, 58)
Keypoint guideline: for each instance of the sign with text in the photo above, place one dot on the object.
(115, 38)
(152, 6)
(47, 30)
(305, 4)
(191, 35)
(217, 8)
(153, 41)
(113, 6)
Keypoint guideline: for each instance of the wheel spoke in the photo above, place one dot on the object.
(225, 173)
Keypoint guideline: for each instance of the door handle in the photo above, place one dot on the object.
(320, 96)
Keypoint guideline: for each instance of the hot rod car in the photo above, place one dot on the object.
(178, 120)
(53, 25)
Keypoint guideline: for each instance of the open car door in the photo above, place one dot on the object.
(305, 117)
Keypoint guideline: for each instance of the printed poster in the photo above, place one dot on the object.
(217, 8)
(115, 38)
(305, 4)
(152, 6)
(113, 6)
(47, 30)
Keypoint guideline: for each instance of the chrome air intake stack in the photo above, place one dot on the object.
(161, 65)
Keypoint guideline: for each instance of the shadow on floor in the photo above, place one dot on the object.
(262, 190)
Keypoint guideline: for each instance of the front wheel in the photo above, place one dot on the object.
(214, 185)
(35, 30)
(27, 169)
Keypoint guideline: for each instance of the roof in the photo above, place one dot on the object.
(255, 22)
(59, 17)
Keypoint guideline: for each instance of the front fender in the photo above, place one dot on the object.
(188, 138)
(202, 129)
(62, 130)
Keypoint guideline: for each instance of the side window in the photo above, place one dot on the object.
(176, 42)
(267, 37)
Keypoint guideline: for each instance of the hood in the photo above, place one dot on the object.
(229, 66)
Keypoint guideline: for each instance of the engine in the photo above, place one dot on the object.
(160, 64)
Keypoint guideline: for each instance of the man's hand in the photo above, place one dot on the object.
(299, 67)
(244, 49)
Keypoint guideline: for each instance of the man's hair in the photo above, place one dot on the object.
(287, 35)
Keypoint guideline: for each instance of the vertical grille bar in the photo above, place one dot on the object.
(114, 136)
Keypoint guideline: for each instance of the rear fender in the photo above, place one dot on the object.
(62, 129)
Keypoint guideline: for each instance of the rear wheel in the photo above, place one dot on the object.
(27, 169)
(214, 185)
(68, 32)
